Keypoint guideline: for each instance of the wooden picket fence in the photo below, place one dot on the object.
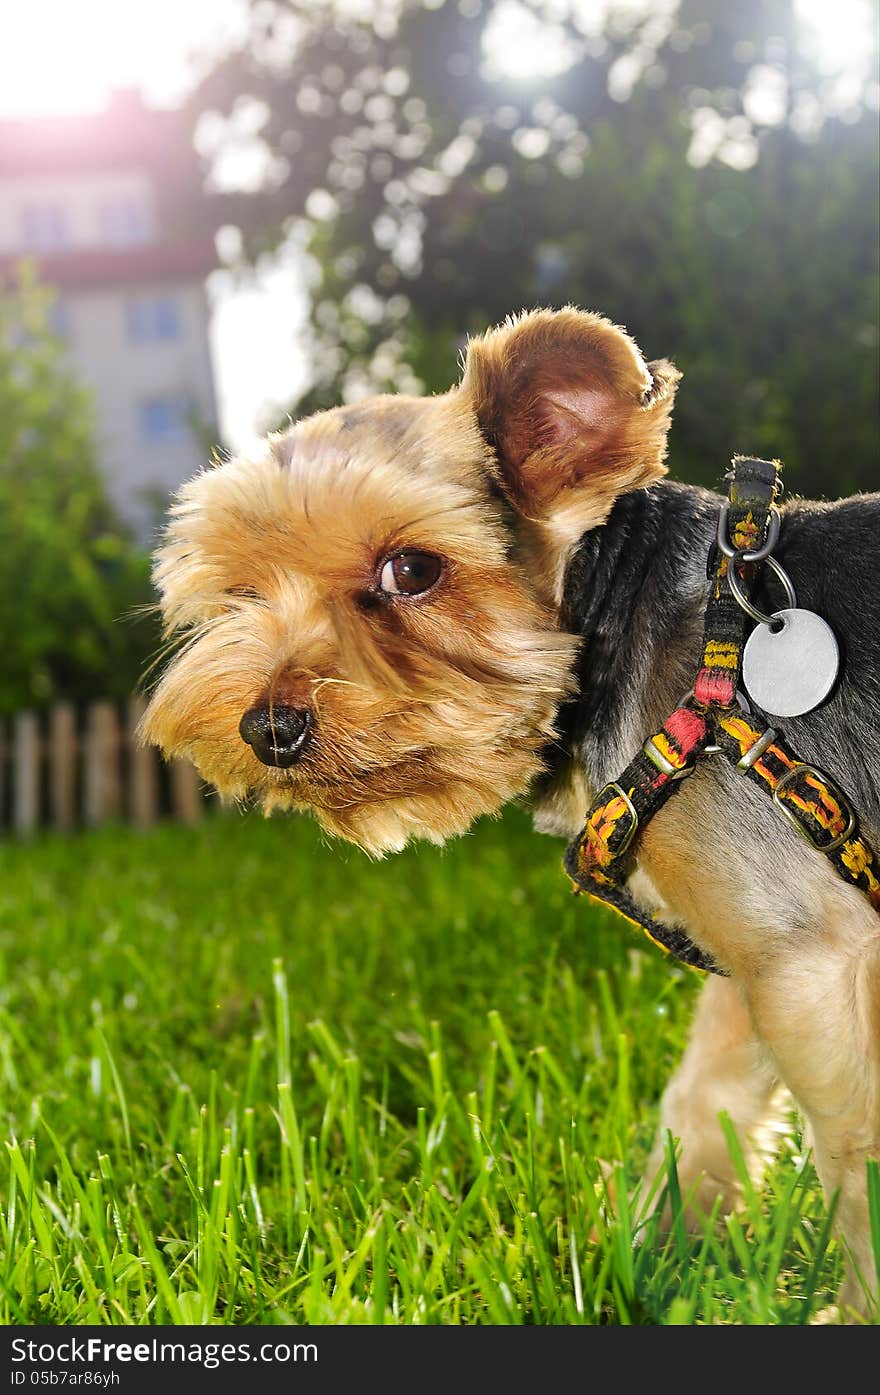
(65, 769)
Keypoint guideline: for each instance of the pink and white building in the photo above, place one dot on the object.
(110, 207)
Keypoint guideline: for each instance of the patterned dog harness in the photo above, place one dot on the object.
(712, 720)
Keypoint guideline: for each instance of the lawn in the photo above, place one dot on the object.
(252, 1078)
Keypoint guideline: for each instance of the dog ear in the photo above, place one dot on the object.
(574, 414)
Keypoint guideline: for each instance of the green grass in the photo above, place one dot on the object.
(250, 1078)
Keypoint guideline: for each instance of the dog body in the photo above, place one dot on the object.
(802, 1005)
(408, 612)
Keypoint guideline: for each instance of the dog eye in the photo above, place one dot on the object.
(410, 574)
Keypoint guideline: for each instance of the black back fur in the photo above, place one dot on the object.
(636, 590)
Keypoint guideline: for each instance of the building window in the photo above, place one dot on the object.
(45, 227)
(124, 222)
(152, 317)
(164, 421)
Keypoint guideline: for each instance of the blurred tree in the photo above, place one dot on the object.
(682, 167)
(70, 575)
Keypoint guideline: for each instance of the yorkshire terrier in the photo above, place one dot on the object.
(376, 624)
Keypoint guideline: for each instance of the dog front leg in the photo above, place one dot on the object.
(723, 1068)
(819, 1015)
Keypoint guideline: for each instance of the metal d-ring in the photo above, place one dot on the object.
(741, 697)
(744, 706)
(742, 599)
(774, 523)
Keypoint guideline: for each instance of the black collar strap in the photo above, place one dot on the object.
(601, 858)
(752, 489)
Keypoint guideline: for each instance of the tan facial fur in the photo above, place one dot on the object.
(429, 710)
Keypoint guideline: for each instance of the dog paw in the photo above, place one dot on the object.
(605, 1192)
(854, 1303)
(830, 1316)
(704, 1196)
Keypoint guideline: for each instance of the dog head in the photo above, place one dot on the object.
(364, 617)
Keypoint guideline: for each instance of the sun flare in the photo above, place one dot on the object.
(840, 37)
(66, 56)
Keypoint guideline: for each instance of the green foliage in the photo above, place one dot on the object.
(356, 1092)
(70, 575)
(740, 243)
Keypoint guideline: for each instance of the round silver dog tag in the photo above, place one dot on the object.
(789, 672)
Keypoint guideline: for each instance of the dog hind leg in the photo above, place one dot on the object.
(819, 1016)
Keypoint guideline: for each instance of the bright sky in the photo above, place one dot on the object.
(66, 55)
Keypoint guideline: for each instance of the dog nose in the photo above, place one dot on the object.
(275, 733)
